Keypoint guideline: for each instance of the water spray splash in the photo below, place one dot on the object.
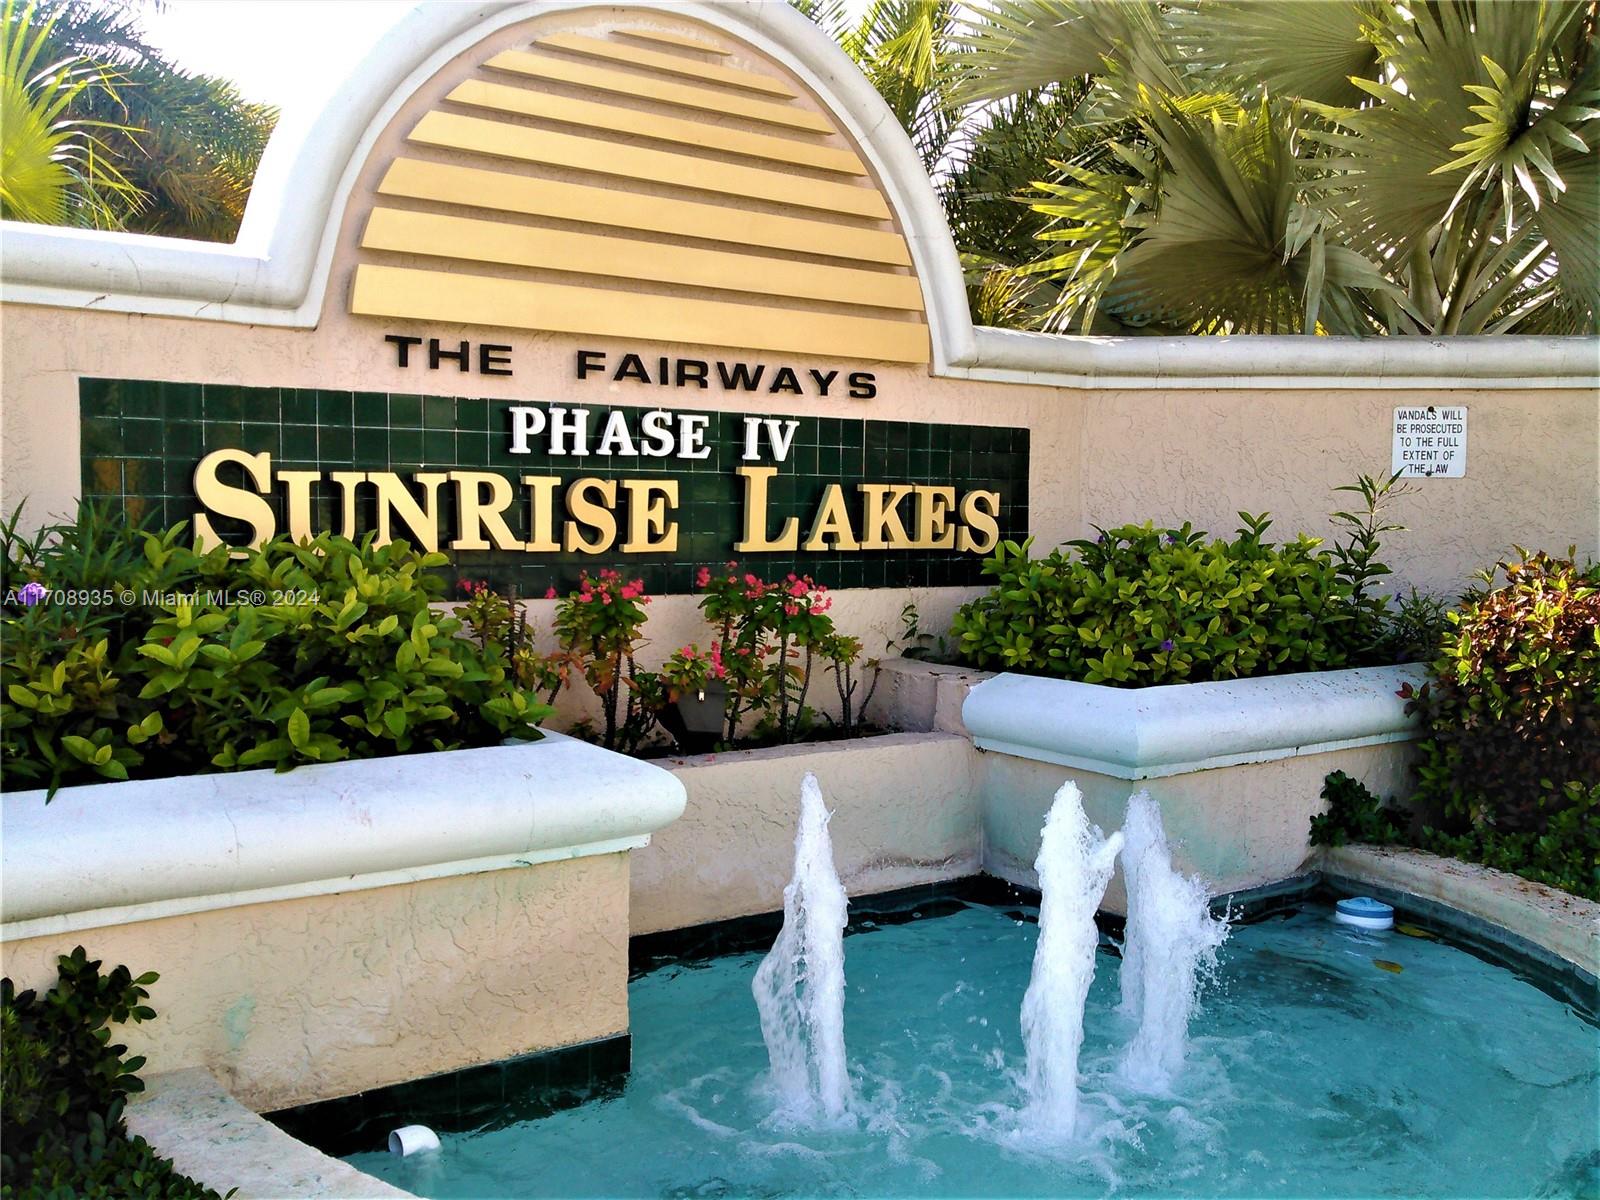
(1074, 864)
(1170, 935)
(799, 987)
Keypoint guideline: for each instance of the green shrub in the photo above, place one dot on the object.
(164, 661)
(1144, 606)
(1141, 605)
(1566, 855)
(63, 1087)
(1355, 815)
(1510, 765)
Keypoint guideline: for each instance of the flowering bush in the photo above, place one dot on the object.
(600, 627)
(767, 638)
(690, 671)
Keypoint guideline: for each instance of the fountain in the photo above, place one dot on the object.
(1170, 934)
(1074, 864)
(799, 987)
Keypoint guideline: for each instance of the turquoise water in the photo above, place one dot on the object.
(1312, 1071)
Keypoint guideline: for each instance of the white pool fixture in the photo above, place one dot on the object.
(1364, 913)
(799, 987)
(1169, 939)
(1074, 864)
(412, 1139)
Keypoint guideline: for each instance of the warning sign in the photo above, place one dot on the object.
(1430, 442)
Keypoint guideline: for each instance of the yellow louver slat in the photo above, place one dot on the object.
(670, 64)
(642, 184)
(477, 188)
(671, 39)
(401, 292)
(547, 147)
(625, 258)
(522, 101)
(663, 91)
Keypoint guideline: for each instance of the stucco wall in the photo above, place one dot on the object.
(310, 999)
(1532, 476)
(905, 811)
(1237, 827)
(1098, 458)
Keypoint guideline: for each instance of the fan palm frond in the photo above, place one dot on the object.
(1308, 49)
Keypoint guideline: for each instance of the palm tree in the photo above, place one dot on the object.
(978, 157)
(54, 167)
(1337, 166)
(187, 145)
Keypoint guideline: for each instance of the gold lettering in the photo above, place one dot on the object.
(934, 505)
(228, 501)
(395, 498)
(832, 523)
(597, 516)
(647, 517)
(297, 502)
(881, 527)
(346, 482)
(755, 515)
(979, 510)
(478, 514)
(541, 513)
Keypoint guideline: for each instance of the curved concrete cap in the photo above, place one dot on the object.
(277, 272)
(106, 854)
(1146, 733)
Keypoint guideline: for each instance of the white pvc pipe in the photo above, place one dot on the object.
(412, 1139)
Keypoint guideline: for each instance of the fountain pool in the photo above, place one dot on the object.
(1313, 1069)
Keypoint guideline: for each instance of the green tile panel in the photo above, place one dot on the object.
(142, 439)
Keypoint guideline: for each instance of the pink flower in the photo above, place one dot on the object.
(550, 593)
(798, 587)
(702, 578)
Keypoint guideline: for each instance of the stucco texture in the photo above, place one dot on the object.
(905, 811)
(305, 1000)
(1237, 827)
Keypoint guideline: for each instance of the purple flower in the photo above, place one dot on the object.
(1167, 645)
(1172, 539)
(32, 593)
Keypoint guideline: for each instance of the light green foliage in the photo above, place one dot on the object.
(103, 129)
(54, 164)
(183, 663)
(1145, 606)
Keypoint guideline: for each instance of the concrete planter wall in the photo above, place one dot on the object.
(345, 926)
(1237, 766)
(906, 810)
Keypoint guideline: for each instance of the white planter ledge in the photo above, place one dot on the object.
(1147, 733)
(115, 853)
